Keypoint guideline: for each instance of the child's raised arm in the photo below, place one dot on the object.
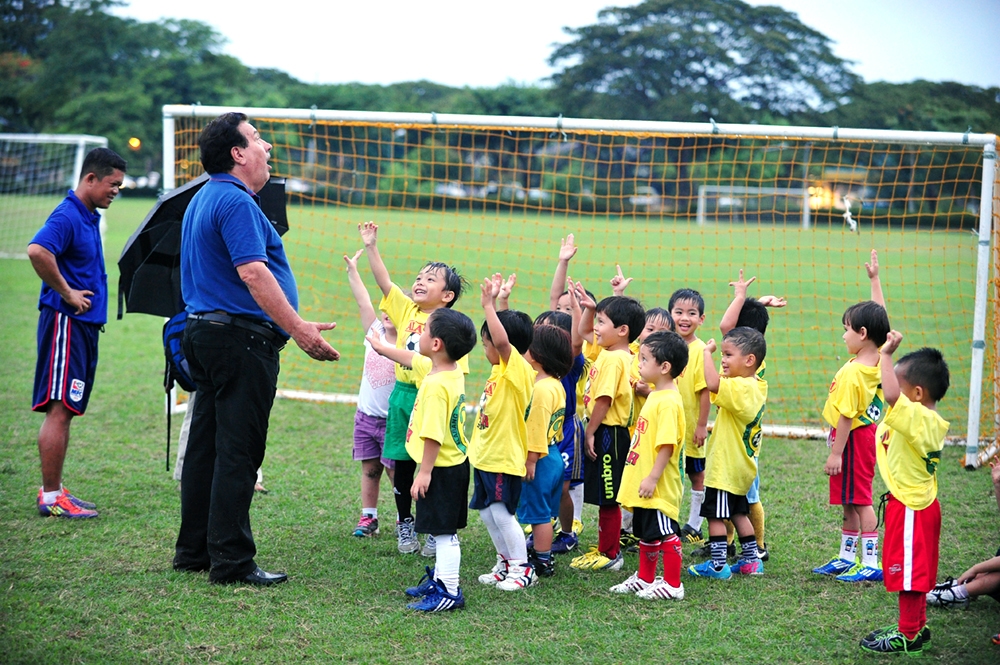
(503, 298)
(620, 282)
(732, 314)
(490, 290)
(359, 291)
(400, 356)
(890, 384)
(369, 235)
(872, 269)
(576, 313)
(567, 250)
(711, 373)
(588, 307)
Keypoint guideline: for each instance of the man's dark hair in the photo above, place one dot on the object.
(624, 311)
(748, 341)
(687, 294)
(218, 139)
(667, 346)
(455, 330)
(452, 280)
(551, 348)
(558, 319)
(872, 317)
(659, 313)
(926, 368)
(518, 326)
(753, 315)
(102, 162)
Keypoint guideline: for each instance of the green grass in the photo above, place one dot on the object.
(103, 591)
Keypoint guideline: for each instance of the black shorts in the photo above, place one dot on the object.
(444, 508)
(694, 465)
(650, 525)
(720, 504)
(602, 477)
(490, 488)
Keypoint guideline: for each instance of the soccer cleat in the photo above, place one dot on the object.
(424, 586)
(438, 600)
(430, 547)
(564, 542)
(660, 590)
(995, 639)
(595, 560)
(925, 633)
(835, 566)
(518, 577)
(633, 584)
(762, 553)
(691, 536)
(628, 541)
(406, 539)
(498, 574)
(577, 528)
(890, 640)
(861, 573)
(529, 542)
(64, 507)
(747, 567)
(543, 567)
(706, 569)
(79, 503)
(943, 596)
(367, 526)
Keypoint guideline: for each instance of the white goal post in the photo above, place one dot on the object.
(737, 196)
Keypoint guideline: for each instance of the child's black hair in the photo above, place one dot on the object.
(551, 348)
(667, 346)
(926, 368)
(624, 311)
(455, 330)
(452, 280)
(518, 326)
(872, 317)
(659, 313)
(748, 341)
(687, 294)
(753, 315)
(554, 318)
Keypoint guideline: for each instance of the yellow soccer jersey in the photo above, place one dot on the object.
(856, 393)
(634, 379)
(590, 352)
(439, 414)
(409, 322)
(500, 439)
(908, 450)
(661, 423)
(731, 464)
(545, 419)
(609, 378)
(689, 383)
(420, 366)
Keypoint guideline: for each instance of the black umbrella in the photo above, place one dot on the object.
(150, 264)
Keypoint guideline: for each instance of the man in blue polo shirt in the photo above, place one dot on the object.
(242, 305)
(66, 254)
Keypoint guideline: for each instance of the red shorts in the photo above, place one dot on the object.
(910, 547)
(853, 485)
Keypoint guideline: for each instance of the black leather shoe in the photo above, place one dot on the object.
(261, 577)
(191, 567)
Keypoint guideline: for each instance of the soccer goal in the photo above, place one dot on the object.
(36, 170)
(799, 208)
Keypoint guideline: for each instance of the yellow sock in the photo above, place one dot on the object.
(730, 532)
(757, 519)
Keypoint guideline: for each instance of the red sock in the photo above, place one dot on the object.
(671, 549)
(649, 553)
(609, 526)
(912, 613)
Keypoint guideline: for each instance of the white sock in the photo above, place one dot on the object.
(511, 532)
(849, 545)
(447, 562)
(370, 512)
(576, 494)
(496, 535)
(50, 497)
(694, 516)
(626, 520)
(869, 549)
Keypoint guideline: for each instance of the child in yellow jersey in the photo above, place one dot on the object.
(651, 482)
(437, 285)
(616, 321)
(731, 465)
(551, 357)
(436, 436)
(687, 309)
(908, 447)
(853, 409)
(499, 447)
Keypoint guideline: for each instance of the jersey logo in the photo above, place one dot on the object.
(415, 328)
(457, 425)
(833, 385)
(413, 342)
(554, 434)
(753, 434)
(874, 411)
(633, 451)
(641, 426)
(490, 387)
(932, 460)
(76, 390)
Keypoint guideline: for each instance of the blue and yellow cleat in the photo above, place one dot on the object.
(706, 569)
(835, 566)
(861, 573)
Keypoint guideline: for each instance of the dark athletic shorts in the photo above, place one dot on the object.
(720, 504)
(602, 477)
(694, 465)
(67, 361)
(490, 488)
(444, 508)
(651, 525)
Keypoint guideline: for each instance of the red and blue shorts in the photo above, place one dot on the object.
(67, 361)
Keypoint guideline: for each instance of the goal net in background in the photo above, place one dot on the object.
(36, 170)
(800, 208)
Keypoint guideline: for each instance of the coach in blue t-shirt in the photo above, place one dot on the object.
(66, 254)
(242, 307)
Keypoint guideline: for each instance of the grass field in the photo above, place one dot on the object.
(103, 591)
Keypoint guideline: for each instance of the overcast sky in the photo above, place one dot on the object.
(483, 44)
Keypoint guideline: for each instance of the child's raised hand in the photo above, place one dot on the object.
(741, 285)
(772, 301)
(619, 282)
(871, 267)
(892, 340)
(507, 286)
(352, 262)
(369, 233)
(567, 250)
(374, 341)
(490, 289)
(710, 346)
(586, 301)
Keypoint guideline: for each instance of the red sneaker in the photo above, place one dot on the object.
(63, 506)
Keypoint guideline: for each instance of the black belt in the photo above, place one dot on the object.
(270, 334)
